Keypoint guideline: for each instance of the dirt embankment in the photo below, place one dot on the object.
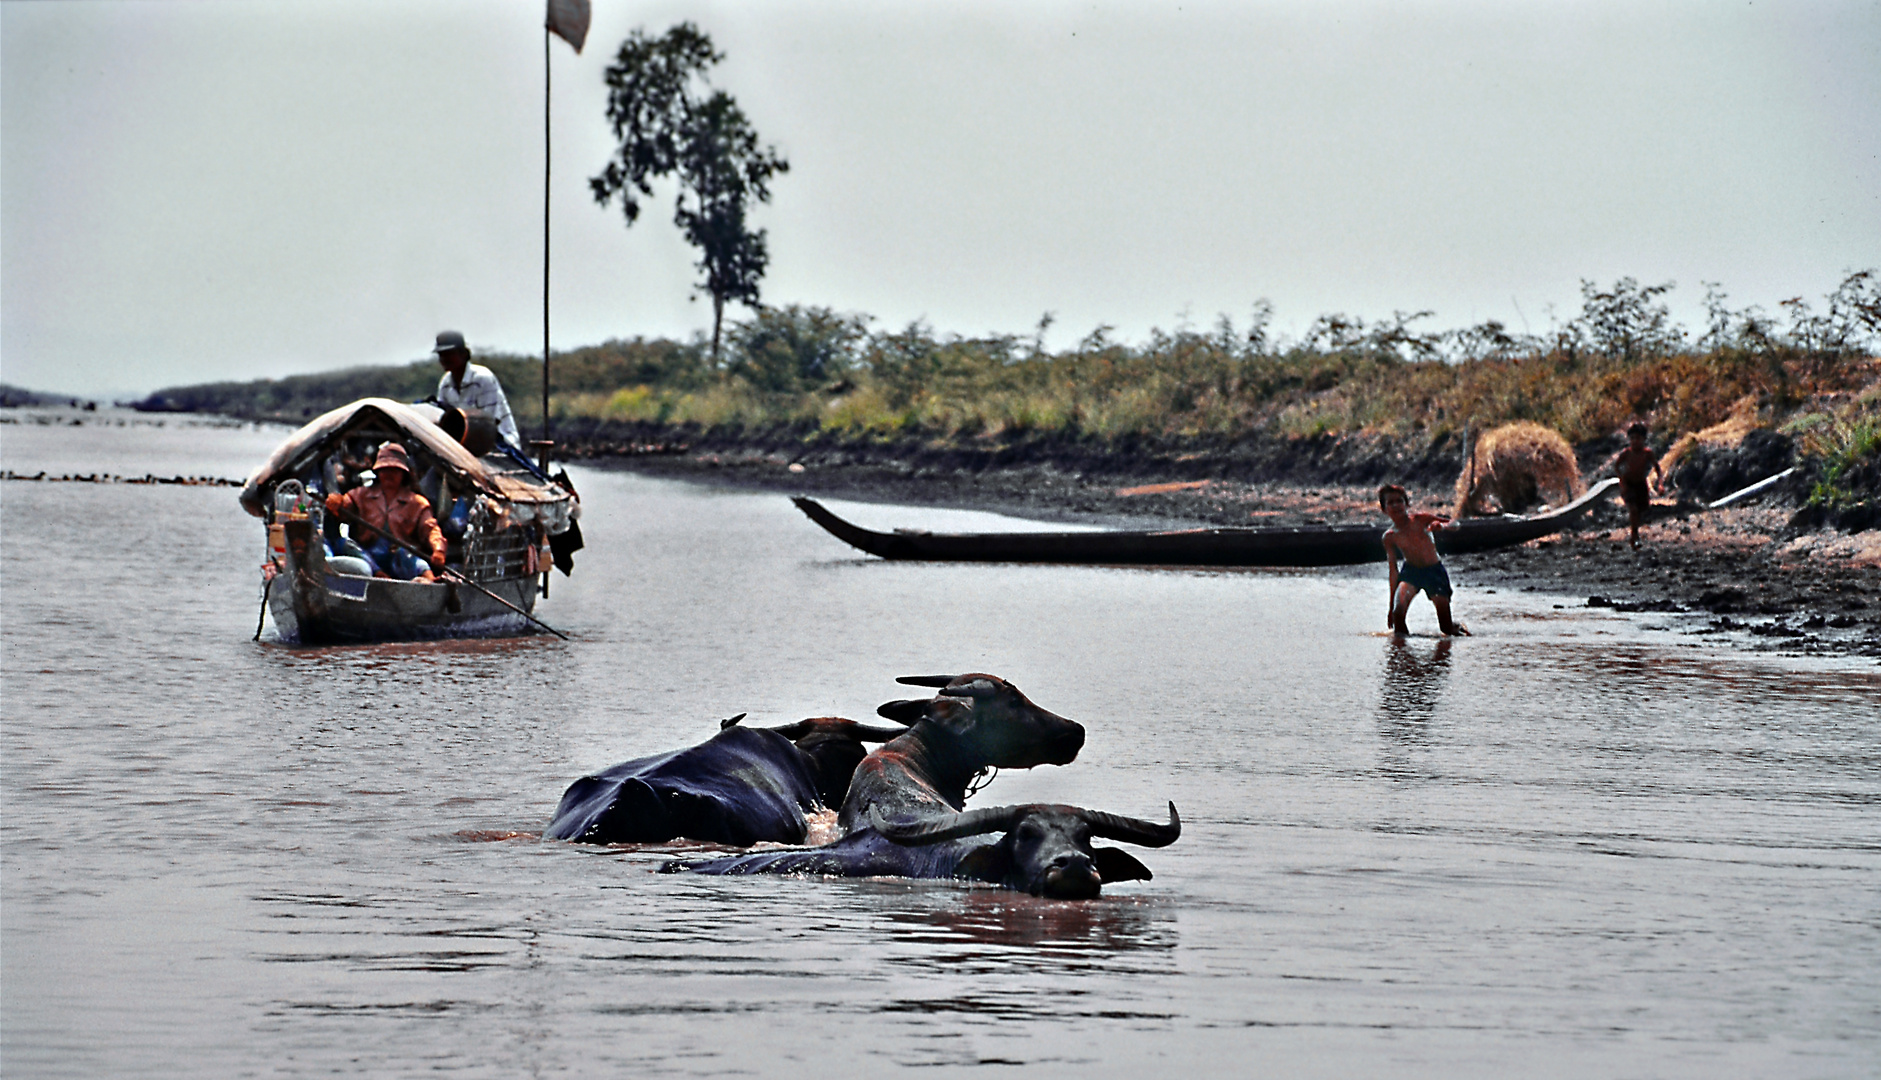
(1761, 572)
(1051, 476)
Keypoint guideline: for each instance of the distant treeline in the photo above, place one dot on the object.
(14, 396)
(824, 374)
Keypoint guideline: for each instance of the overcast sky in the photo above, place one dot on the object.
(203, 190)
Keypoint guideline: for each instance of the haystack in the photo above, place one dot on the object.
(1519, 465)
(1720, 436)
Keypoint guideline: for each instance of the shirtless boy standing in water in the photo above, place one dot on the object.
(1409, 539)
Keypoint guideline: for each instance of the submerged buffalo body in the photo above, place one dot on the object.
(1044, 850)
(742, 786)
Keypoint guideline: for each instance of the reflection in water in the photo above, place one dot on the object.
(519, 644)
(1002, 917)
(1413, 684)
(1408, 701)
(223, 858)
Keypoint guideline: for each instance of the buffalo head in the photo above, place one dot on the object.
(832, 746)
(1046, 850)
(990, 720)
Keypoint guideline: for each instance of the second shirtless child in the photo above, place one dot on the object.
(1409, 539)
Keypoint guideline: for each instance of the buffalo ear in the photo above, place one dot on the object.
(1115, 864)
(905, 713)
(988, 862)
(953, 714)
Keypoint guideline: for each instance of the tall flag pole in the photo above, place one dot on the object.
(568, 20)
(547, 158)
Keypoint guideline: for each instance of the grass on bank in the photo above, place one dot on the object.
(816, 373)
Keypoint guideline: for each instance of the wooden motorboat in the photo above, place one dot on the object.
(1312, 545)
(509, 525)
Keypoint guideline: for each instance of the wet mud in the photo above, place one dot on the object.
(1764, 574)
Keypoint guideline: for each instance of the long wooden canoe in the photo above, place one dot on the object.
(1312, 545)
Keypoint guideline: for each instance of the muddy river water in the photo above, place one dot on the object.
(1568, 846)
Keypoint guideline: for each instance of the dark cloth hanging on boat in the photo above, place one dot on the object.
(563, 545)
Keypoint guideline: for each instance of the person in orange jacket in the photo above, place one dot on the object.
(392, 508)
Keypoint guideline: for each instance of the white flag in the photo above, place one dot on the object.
(568, 20)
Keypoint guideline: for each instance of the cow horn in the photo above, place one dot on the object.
(937, 828)
(925, 680)
(876, 733)
(976, 688)
(1134, 830)
(730, 721)
(841, 726)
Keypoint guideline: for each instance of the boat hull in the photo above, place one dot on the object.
(311, 605)
(1333, 545)
(379, 609)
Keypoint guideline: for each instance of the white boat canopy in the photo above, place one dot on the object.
(528, 497)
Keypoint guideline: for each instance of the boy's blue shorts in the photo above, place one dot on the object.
(1433, 579)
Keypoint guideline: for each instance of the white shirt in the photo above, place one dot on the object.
(483, 393)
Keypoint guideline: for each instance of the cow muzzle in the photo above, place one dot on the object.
(1070, 876)
(1059, 748)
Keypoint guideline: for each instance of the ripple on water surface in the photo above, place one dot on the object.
(1565, 846)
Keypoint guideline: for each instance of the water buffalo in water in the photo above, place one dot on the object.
(977, 721)
(741, 786)
(745, 785)
(1045, 850)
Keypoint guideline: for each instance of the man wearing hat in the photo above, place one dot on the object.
(391, 508)
(465, 385)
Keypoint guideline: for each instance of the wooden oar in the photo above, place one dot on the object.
(355, 521)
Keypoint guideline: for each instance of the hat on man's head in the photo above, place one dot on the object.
(449, 340)
(392, 456)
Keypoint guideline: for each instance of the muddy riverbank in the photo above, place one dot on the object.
(1743, 572)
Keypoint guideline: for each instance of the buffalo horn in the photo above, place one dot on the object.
(976, 688)
(1134, 830)
(836, 725)
(730, 721)
(935, 829)
(925, 680)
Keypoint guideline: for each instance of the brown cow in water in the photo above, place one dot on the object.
(977, 721)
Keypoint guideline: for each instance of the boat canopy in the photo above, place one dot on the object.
(528, 497)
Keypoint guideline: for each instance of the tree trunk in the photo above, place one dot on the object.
(718, 318)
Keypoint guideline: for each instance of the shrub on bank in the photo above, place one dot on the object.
(1847, 442)
(815, 372)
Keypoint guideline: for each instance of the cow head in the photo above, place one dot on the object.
(990, 721)
(833, 746)
(1046, 850)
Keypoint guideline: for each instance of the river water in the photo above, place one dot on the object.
(1568, 846)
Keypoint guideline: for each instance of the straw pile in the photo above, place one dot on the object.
(1721, 436)
(1518, 465)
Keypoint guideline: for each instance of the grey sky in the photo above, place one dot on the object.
(197, 191)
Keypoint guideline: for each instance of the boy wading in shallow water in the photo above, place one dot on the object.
(1409, 539)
